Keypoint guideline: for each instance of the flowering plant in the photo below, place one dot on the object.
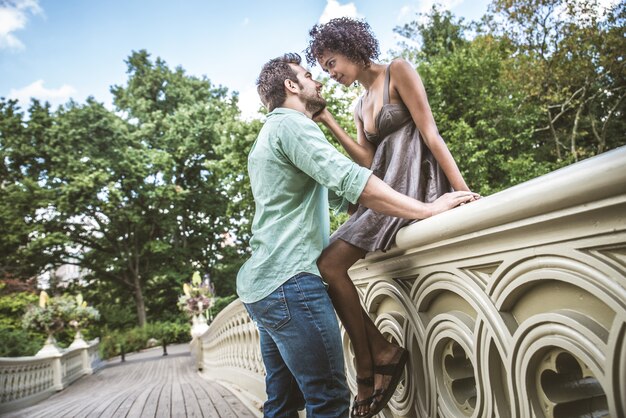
(197, 297)
(82, 314)
(53, 313)
(49, 316)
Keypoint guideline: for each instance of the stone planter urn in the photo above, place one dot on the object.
(78, 342)
(198, 325)
(50, 347)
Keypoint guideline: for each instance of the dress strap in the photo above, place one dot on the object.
(359, 110)
(386, 86)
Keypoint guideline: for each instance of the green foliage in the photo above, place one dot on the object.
(13, 305)
(490, 95)
(136, 190)
(482, 116)
(81, 315)
(50, 317)
(116, 306)
(135, 339)
(26, 247)
(337, 219)
(232, 170)
(54, 314)
(19, 343)
(440, 34)
(221, 303)
(567, 57)
(15, 341)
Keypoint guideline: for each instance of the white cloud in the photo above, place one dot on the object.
(37, 90)
(409, 12)
(406, 13)
(13, 17)
(249, 104)
(245, 21)
(333, 9)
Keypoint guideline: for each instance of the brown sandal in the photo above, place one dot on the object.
(394, 370)
(367, 381)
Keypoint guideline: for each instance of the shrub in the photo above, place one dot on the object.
(136, 338)
(221, 303)
(19, 343)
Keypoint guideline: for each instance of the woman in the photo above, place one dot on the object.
(398, 139)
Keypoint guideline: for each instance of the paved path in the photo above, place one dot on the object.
(148, 384)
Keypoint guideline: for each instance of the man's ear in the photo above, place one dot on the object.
(292, 86)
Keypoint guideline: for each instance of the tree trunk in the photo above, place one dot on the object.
(554, 136)
(575, 132)
(139, 302)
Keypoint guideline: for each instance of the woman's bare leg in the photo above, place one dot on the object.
(334, 263)
(383, 352)
(370, 346)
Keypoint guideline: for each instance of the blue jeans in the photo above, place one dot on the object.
(302, 350)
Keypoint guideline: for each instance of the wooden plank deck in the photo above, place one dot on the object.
(147, 384)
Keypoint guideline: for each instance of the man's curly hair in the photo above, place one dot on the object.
(271, 81)
(349, 37)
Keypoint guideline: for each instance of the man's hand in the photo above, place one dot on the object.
(452, 200)
(378, 196)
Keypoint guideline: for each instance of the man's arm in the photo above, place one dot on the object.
(381, 198)
(305, 146)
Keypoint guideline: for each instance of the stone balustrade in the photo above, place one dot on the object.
(230, 352)
(25, 381)
(511, 306)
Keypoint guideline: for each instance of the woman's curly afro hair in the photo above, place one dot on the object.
(349, 37)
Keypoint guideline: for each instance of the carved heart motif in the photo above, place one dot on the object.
(570, 389)
(459, 377)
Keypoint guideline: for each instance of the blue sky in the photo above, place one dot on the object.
(57, 49)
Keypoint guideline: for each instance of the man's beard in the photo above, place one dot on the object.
(314, 104)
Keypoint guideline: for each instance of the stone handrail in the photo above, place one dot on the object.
(229, 352)
(511, 306)
(25, 381)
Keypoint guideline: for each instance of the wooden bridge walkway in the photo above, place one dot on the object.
(147, 384)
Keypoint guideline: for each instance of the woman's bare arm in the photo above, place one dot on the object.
(361, 152)
(409, 87)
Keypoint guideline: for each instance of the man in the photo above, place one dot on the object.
(291, 167)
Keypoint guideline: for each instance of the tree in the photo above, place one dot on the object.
(568, 56)
(154, 212)
(27, 247)
(439, 34)
(232, 169)
(133, 197)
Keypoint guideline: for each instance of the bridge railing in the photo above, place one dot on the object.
(230, 353)
(512, 306)
(25, 381)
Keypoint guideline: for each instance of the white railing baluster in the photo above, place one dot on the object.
(25, 381)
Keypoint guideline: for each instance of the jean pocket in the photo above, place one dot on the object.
(272, 311)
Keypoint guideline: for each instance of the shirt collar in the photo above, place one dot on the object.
(285, 110)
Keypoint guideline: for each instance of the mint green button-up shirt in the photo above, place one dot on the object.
(292, 166)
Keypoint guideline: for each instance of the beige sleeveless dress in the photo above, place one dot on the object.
(405, 163)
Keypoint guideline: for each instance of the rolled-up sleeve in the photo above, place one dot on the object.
(305, 146)
(337, 203)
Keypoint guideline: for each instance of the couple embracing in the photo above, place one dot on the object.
(296, 281)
